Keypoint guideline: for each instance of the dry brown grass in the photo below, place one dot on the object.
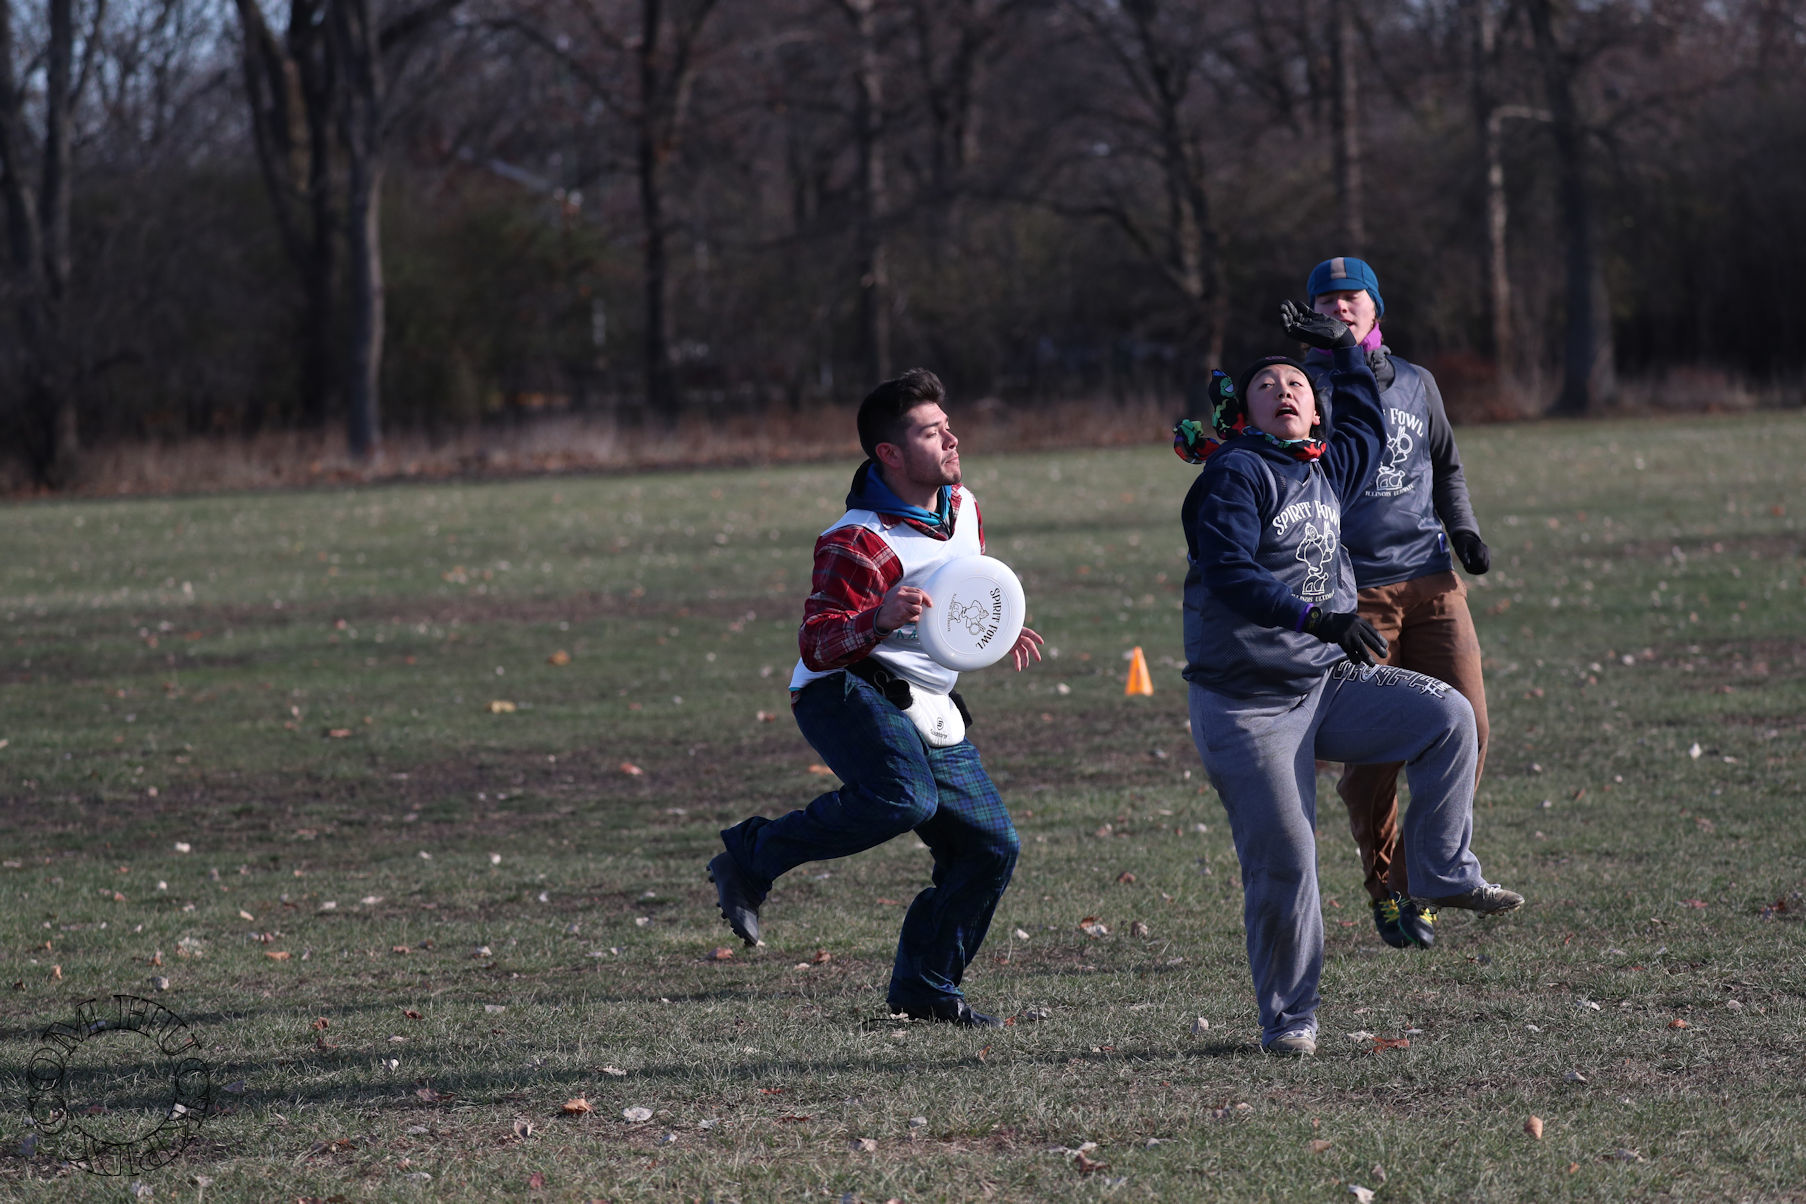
(571, 443)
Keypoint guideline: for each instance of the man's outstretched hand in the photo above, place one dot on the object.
(1027, 644)
(1315, 329)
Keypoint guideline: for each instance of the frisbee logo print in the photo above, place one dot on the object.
(976, 617)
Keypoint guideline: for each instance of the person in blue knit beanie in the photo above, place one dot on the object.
(1399, 532)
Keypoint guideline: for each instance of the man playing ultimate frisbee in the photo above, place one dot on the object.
(1282, 669)
(882, 713)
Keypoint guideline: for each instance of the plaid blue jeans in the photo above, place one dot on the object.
(894, 783)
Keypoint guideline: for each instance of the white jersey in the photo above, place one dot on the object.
(901, 651)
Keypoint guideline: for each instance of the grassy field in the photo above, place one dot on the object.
(400, 797)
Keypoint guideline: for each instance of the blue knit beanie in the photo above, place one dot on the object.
(1344, 274)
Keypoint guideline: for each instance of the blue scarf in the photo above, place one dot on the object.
(869, 492)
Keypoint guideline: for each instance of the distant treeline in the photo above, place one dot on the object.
(425, 214)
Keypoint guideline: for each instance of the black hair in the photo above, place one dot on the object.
(882, 412)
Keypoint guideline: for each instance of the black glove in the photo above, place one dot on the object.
(1354, 634)
(1317, 330)
(1475, 557)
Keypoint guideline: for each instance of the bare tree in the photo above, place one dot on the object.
(1155, 53)
(1345, 127)
(639, 60)
(1589, 371)
(37, 238)
(292, 87)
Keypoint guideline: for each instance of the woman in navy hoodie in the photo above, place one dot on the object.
(1282, 669)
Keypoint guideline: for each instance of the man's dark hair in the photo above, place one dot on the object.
(882, 412)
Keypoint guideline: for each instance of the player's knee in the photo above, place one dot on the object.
(906, 803)
(1003, 848)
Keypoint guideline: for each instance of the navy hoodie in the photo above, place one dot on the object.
(1263, 539)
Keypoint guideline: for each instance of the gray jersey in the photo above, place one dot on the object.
(1394, 529)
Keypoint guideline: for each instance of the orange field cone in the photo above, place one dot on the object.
(1139, 681)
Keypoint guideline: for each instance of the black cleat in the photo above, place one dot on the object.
(950, 1011)
(735, 900)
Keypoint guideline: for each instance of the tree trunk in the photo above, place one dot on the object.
(1345, 129)
(359, 54)
(1488, 123)
(873, 261)
(38, 248)
(654, 140)
(292, 88)
(1588, 372)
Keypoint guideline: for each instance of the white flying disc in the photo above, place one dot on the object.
(977, 613)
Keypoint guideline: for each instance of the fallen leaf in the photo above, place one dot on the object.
(821, 771)
(1363, 1195)
(865, 1145)
(721, 954)
(431, 1096)
(615, 1071)
(767, 716)
(636, 1115)
(560, 658)
(338, 733)
(1677, 1022)
(523, 1128)
(245, 915)
(1319, 1145)
(576, 1107)
(321, 1022)
(536, 1181)
(771, 1091)
(1126, 878)
(1384, 1043)
(630, 769)
(276, 955)
(56, 974)
(1137, 928)
(1534, 1127)
(501, 706)
(1199, 1026)
(411, 1014)
(1087, 1165)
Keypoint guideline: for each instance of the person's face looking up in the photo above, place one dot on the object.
(1281, 402)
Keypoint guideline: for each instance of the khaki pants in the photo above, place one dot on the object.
(1428, 627)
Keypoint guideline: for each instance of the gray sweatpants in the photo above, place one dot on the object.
(1261, 755)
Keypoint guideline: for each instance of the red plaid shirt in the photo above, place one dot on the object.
(854, 569)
